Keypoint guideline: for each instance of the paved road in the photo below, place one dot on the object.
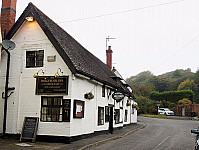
(159, 134)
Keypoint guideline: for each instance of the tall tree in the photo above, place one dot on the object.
(177, 74)
(159, 82)
(136, 81)
(187, 85)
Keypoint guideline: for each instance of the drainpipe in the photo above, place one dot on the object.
(6, 91)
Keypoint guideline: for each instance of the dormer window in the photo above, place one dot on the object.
(34, 58)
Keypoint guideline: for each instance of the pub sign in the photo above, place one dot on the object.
(118, 96)
(49, 85)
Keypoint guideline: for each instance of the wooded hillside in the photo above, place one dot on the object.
(145, 83)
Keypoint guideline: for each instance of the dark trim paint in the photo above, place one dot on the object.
(66, 139)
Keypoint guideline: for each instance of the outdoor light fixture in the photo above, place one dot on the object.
(30, 19)
(37, 74)
(57, 74)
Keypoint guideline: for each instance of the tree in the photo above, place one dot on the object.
(142, 90)
(136, 81)
(145, 104)
(196, 78)
(184, 101)
(159, 82)
(177, 74)
(187, 85)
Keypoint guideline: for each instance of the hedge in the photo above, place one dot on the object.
(172, 96)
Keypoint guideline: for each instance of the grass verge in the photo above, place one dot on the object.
(154, 116)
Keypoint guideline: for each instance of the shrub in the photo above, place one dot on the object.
(172, 96)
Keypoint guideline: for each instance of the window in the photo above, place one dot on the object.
(34, 58)
(126, 113)
(121, 104)
(55, 109)
(100, 115)
(103, 90)
(117, 116)
(106, 114)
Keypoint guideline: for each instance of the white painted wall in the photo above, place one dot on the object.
(23, 102)
(134, 114)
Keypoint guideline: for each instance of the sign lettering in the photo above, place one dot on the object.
(49, 85)
(29, 129)
(117, 96)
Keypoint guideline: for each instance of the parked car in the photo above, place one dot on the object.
(165, 111)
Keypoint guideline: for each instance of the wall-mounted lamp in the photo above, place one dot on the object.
(57, 74)
(37, 74)
(30, 19)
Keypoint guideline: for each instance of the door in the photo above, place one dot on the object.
(66, 110)
(111, 119)
(183, 112)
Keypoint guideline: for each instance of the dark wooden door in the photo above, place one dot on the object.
(111, 120)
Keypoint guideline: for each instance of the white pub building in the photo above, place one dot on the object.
(55, 79)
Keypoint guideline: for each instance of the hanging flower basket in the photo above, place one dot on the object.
(135, 106)
(89, 95)
(128, 104)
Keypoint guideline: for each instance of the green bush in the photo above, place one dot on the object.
(172, 96)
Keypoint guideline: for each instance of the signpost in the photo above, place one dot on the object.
(29, 129)
(158, 105)
(118, 96)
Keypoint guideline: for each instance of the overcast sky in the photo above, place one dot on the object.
(156, 35)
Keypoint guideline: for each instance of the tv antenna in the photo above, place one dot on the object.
(107, 39)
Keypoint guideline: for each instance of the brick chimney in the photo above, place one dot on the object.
(8, 14)
(109, 57)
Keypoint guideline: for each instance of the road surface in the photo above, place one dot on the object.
(159, 134)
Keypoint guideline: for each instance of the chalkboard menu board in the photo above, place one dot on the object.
(29, 129)
(49, 85)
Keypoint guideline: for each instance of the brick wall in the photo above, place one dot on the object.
(8, 14)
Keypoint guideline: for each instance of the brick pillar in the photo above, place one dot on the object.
(8, 14)
(109, 57)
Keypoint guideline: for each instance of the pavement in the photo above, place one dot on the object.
(83, 144)
(12, 144)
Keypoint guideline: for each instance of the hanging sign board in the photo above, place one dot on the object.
(29, 129)
(49, 85)
(118, 96)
